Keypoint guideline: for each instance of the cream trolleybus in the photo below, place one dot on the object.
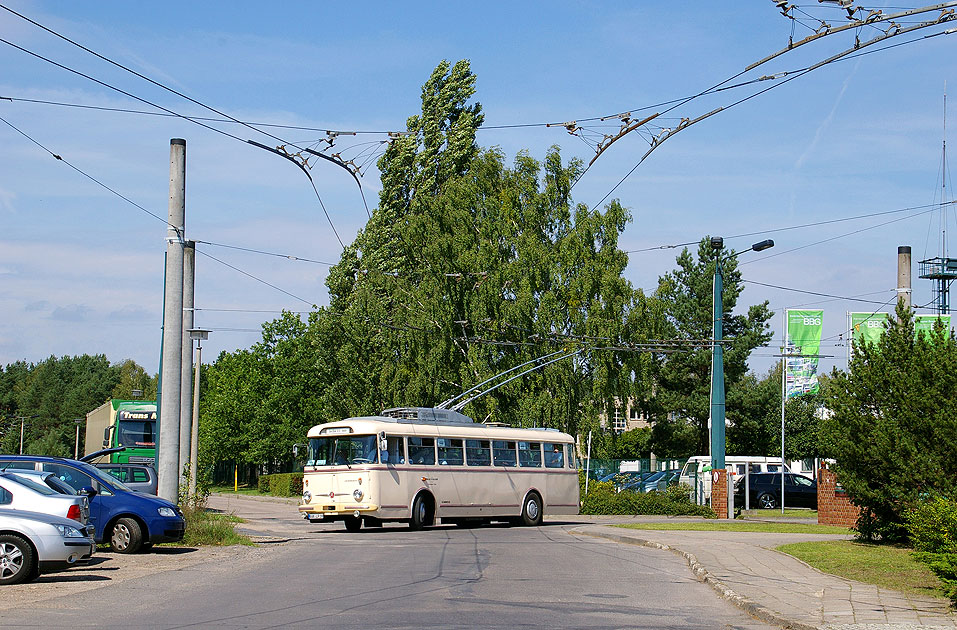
(420, 464)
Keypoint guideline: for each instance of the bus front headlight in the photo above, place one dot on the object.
(357, 494)
(306, 496)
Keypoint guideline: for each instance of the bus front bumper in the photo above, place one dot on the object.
(336, 512)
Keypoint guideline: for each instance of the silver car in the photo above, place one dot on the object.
(22, 493)
(45, 477)
(32, 542)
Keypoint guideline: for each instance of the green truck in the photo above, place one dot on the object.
(129, 423)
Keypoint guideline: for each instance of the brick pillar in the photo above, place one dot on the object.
(719, 492)
(833, 505)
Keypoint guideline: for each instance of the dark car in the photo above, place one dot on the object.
(765, 490)
(624, 478)
(127, 520)
(139, 477)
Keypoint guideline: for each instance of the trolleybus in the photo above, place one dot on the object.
(420, 464)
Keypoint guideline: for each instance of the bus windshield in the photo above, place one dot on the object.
(338, 450)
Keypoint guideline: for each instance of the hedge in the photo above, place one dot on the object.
(281, 484)
(675, 501)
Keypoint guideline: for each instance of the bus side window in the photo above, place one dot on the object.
(530, 454)
(478, 453)
(422, 450)
(396, 451)
(554, 456)
(450, 452)
(503, 452)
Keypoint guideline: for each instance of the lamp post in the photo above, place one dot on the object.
(22, 420)
(76, 448)
(199, 335)
(717, 352)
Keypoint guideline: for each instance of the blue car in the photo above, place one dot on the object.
(127, 520)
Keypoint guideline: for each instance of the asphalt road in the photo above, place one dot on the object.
(320, 576)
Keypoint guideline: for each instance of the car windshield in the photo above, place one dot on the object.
(39, 488)
(338, 450)
(104, 477)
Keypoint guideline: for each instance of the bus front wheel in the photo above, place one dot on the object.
(532, 510)
(421, 512)
(353, 523)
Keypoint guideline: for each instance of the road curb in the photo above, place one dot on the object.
(255, 497)
(754, 609)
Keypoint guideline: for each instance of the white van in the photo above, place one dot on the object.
(694, 475)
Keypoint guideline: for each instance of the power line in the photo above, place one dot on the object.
(259, 251)
(257, 279)
(827, 295)
(88, 176)
(839, 236)
(795, 227)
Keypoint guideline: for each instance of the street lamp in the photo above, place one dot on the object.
(22, 420)
(717, 351)
(199, 335)
(76, 449)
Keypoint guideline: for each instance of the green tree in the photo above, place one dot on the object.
(683, 378)
(893, 424)
(631, 444)
(134, 377)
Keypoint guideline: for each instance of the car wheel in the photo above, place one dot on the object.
(127, 536)
(532, 510)
(421, 512)
(16, 560)
(767, 501)
(353, 523)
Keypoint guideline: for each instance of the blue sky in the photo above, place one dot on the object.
(81, 271)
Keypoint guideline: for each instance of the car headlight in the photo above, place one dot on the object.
(306, 496)
(69, 532)
(166, 511)
(357, 494)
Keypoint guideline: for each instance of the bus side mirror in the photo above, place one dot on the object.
(295, 450)
(383, 442)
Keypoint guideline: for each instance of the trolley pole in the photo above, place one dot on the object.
(167, 455)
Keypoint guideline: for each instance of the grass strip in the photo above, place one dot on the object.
(745, 526)
(205, 528)
(886, 566)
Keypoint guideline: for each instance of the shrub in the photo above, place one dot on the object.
(675, 501)
(932, 526)
(281, 484)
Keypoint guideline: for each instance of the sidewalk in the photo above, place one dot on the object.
(744, 568)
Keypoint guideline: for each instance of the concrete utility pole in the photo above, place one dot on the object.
(903, 274)
(185, 399)
(167, 456)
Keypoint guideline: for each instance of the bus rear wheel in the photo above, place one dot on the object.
(353, 523)
(421, 512)
(532, 510)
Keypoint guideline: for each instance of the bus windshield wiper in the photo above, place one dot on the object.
(335, 449)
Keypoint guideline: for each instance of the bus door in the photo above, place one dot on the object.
(450, 464)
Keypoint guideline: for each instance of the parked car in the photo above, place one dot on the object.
(23, 493)
(624, 478)
(655, 481)
(139, 477)
(31, 542)
(47, 478)
(765, 490)
(127, 520)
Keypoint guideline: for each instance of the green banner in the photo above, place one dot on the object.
(801, 347)
(925, 323)
(868, 326)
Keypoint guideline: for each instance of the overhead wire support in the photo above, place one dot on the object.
(339, 162)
